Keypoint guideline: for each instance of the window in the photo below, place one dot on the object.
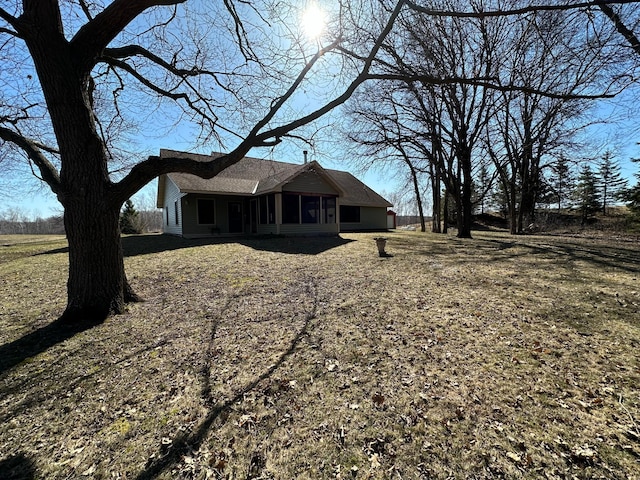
(310, 207)
(206, 211)
(329, 209)
(167, 213)
(349, 214)
(175, 206)
(268, 209)
(290, 208)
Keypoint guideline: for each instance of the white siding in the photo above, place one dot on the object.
(171, 196)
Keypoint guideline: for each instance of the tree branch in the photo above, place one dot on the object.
(484, 82)
(620, 27)
(11, 20)
(34, 152)
(294, 86)
(7, 17)
(10, 32)
(362, 77)
(137, 50)
(510, 12)
(92, 38)
(176, 96)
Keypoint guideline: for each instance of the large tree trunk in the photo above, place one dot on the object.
(436, 220)
(416, 191)
(97, 285)
(445, 213)
(465, 210)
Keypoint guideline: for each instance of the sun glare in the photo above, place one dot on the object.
(313, 21)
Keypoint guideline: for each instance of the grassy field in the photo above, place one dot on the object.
(497, 357)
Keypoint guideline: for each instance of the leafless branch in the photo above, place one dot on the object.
(137, 50)
(10, 32)
(487, 83)
(278, 103)
(362, 77)
(176, 96)
(154, 166)
(620, 26)
(511, 12)
(95, 35)
(7, 17)
(33, 150)
(241, 33)
(85, 9)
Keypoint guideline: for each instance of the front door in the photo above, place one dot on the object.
(235, 217)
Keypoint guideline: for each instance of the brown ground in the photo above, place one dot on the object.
(497, 357)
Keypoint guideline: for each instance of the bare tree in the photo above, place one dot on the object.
(442, 61)
(380, 127)
(213, 60)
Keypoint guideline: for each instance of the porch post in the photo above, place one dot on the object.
(278, 212)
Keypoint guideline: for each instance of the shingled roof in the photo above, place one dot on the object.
(254, 176)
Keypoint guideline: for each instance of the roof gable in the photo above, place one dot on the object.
(276, 183)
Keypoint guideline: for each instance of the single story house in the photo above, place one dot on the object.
(257, 196)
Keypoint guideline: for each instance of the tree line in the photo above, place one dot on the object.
(15, 221)
(493, 108)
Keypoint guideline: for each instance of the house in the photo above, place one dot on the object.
(257, 196)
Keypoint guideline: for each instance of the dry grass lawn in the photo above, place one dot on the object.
(497, 357)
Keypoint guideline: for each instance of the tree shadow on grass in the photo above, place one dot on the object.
(622, 257)
(17, 467)
(38, 341)
(135, 245)
(145, 244)
(185, 442)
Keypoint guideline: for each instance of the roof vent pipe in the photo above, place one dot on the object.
(304, 152)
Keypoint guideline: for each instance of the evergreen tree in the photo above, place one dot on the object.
(610, 181)
(563, 182)
(129, 219)
(586, 194)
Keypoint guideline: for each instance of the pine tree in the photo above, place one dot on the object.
(562, 182)
(129, 219)
(610, 181)
(586, 194)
